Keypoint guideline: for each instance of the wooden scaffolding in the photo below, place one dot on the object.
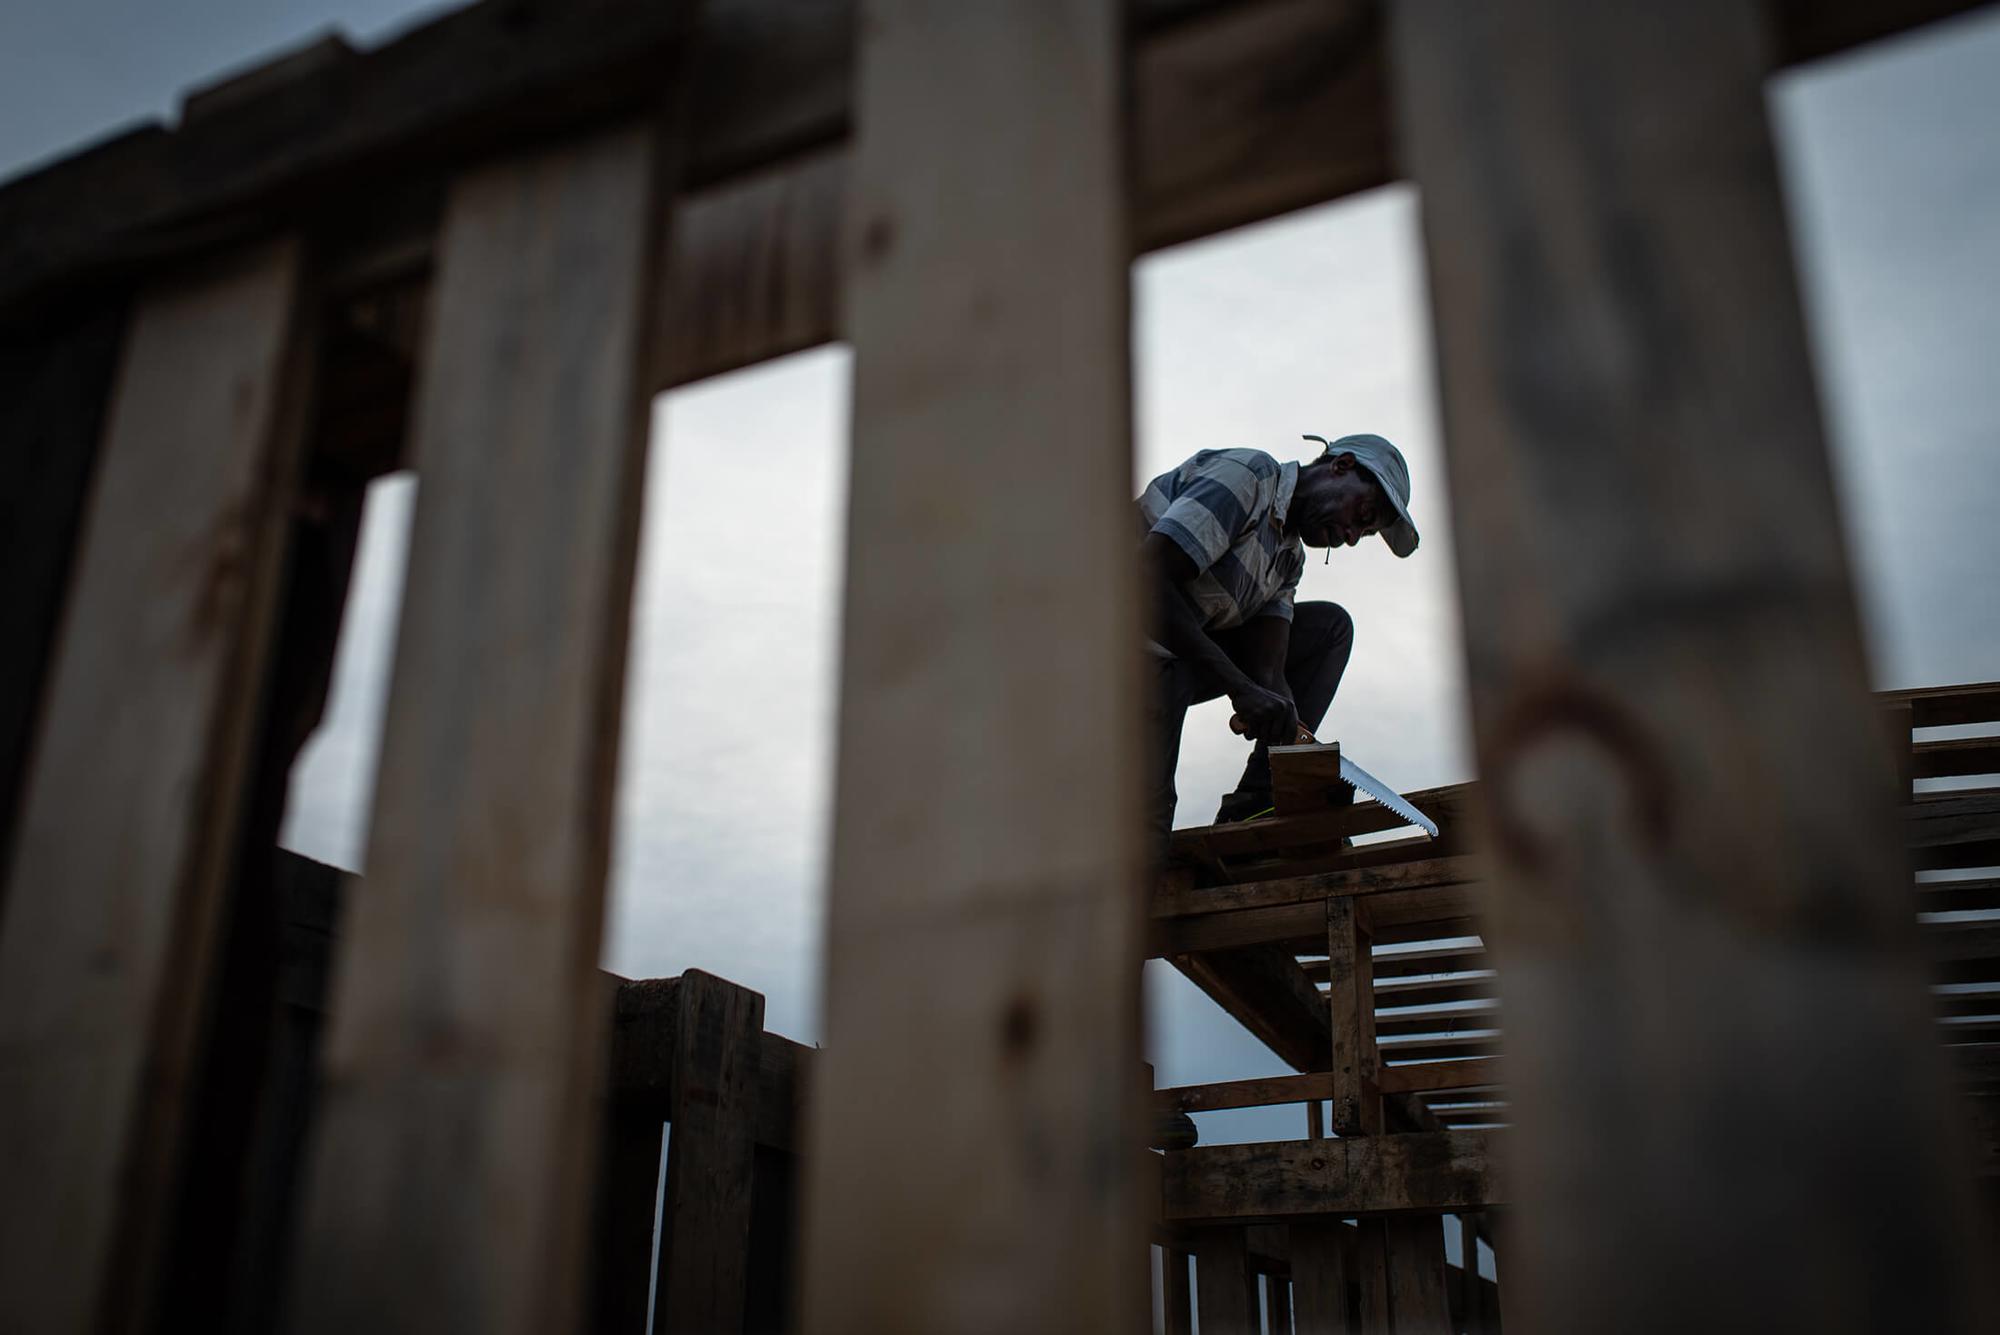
(479, 250)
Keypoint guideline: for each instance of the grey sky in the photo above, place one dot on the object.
(1314, 322)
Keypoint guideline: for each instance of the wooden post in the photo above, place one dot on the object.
(1357, 1103)
(457, 1134)
(1468, 1275)
(131, 808)
(1699, 890)
(1321, 1252)
(1278, 1304)
(1370, 1270)
(1176, 1295)
(1416, 1275)
(705, 1221)
(971, 1159)
(1225, 1286)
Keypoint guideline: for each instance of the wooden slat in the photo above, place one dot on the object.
(1273, 1182)
(1176, 1296)
(1474, 1073)
(997, 880)
(1950, 759)
(1950, 706)
(705, 1215)
(1478, 986)
(456, 1136)
(1356, 1108)
(1970, 893)
(1690, 816)
(1225, 1289)
(1244, 1093)
(1320, 1263)
(131, 808)
(1417, 1304)
(1290, 890)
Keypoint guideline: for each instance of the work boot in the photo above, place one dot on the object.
(1173, 1131)
(1244, 804)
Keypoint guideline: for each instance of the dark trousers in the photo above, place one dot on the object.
(1321, 640)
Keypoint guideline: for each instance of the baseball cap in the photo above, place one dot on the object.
(1385, 462)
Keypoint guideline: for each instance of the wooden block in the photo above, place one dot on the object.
(456, 1143)
(1278, 1181)
(1683, 773)
(1417, 1303)
(1305, 779)
(976, 1105)
(1225, 1288)
(705, 1219)
(130, 812)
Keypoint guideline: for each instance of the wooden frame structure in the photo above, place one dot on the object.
(480, 249)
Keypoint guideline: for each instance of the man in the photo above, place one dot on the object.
(1225, 543)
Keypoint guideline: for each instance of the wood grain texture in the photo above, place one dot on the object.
(1244, 1093)
(1321, 1251)
(1417, 1303)
(1699, 895)
(1370, 1267)
(1279, 1180)
(705, 1218)
(131, 807)
(457, 1132)
(970, 1163)
(1225, 1287)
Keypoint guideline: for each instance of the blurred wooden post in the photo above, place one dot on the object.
(456, 1144)
(972, 1157)
(705, 1220)
(1225, 1288)
(1700, 894)
(131, 808)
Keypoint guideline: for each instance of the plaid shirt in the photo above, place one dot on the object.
(1226, 510)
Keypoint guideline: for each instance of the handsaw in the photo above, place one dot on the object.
(1361, 780)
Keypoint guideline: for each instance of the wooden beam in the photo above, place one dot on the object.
(1690, 818)
(998, 879)
(130, 812)
(456, 1134)
(1281, 1180)
(1244, 1093)
(1264, 990)
(705, 1215)
(1321, 1251)
(1949, 706)
(1357, 1108)
(1417, 1303)
(1285, 891)
(1421, 1077)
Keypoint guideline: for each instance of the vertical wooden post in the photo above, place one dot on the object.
(1370, 1269)
(1699, 889)
(1321, 1253)
(971, 1158)
(1468, 1275)
(1225, 1286)
(705, 1221)
(1176, 1296)
(1357, 1103)
(130, 811)
(1416, 1275)
(457, 1132)
(1278, 1304)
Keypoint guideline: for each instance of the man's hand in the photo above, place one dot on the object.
(1267, 716)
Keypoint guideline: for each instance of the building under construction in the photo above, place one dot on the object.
(1688, 1009)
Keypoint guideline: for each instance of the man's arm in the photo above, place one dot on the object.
(1269, 715)
(1264, 641)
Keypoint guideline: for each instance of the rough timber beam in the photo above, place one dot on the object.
(1244, 110)
(1422, 1171)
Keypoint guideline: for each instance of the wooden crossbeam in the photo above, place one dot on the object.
(1282, 1180)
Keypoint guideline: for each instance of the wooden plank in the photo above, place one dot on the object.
(1356, 1109)
(1285, 891)
(705, 1217)
(1243, 1093)
(628, 1200)
(1417, 1304)
(1277, 1181)
(1176, 1296)
(1418, 1077)
(1225, 1289)
(1371, 1278)
(1278, 1304)
(456, 1138)
(1950, 706)
(969, 1163)
(1320, 1280)
(132, 804)
(1481, 986)
(1691, 822)
(55, 388)
(1264, 990)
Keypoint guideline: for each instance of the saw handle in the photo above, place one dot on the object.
(1305, 738)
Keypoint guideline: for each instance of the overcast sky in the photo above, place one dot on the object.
(1314, 322)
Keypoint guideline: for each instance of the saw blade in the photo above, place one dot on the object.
(1356, 777)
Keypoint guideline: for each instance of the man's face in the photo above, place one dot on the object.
(1345, 507)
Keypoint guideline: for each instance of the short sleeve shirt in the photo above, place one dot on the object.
(1226, 509)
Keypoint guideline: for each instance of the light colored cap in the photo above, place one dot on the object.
(1385, 462)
